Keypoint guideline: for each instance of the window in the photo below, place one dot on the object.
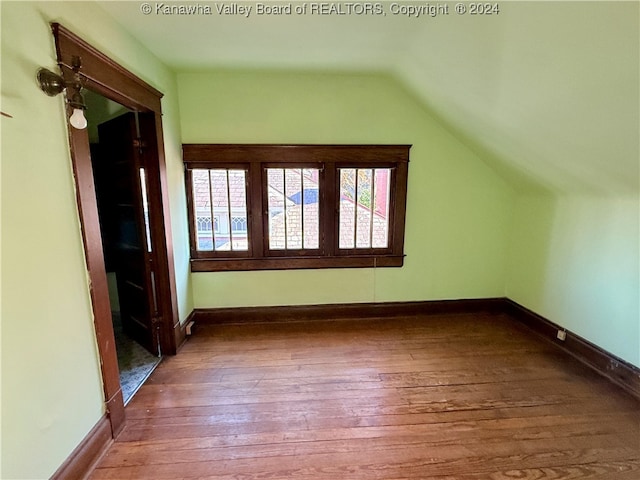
(293, 208)
(364, 207)
(220, 194)
(257, 207)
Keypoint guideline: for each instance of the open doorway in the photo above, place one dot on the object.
(102, 75)
(119, 174)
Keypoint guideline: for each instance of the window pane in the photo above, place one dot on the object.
(238, 210)
(293, 187)
(363, 210)
(202, 210)
(220, 199)
(311, 208)
(364, 207)
(347, 208)
(293, 208)
(276, 201)
(220, 202)
(381, 200)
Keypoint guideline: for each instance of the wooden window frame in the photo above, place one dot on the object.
(329, 158)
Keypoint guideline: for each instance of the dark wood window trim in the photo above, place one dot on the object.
(329, 158)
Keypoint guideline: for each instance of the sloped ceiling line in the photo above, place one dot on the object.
(546, 93)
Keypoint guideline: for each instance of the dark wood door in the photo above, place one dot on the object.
(123, 201)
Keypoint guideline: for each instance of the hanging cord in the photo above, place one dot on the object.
(375, 272)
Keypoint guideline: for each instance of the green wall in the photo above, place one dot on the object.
(458, 210)
(575, 260)
(570, 257)
(51, 383)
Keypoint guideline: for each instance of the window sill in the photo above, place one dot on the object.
(294, 263)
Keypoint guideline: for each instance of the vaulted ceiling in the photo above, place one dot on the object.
(547, 93)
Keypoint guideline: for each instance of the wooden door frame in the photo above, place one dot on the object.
(114, 82)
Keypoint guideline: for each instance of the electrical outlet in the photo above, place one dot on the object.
(562, 335)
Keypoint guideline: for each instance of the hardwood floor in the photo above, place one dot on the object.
(457, 397)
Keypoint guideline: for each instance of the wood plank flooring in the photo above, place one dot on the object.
(454, 397)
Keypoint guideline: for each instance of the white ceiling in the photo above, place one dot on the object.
(545, 92)
(200, 42)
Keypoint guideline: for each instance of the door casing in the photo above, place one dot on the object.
(106, 77)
